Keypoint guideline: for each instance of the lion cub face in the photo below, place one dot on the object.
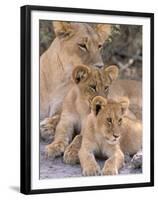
(81, 43)
(109, 117)
(93, 81)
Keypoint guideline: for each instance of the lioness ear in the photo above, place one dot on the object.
(111, 72)
(124, 101)
(104, 31)
(80, 73)
(98, 103)
(62, 29)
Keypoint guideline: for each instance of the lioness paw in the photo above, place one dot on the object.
(91, 170)
(47, 127)
(71, 156)
(137, 160)
(55, 149)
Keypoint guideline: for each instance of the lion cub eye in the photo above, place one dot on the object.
(100, 46)
(120, 121)
(93, 87)
(109, 120)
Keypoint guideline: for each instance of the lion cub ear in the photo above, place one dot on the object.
(124, 101)
(98, 103)
(62, 29)
(111, 72)
(104, 31)
(81, 73)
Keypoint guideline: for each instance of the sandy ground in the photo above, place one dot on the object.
(57, 169)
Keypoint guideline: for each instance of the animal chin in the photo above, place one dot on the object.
(108, 140)
(112, 141)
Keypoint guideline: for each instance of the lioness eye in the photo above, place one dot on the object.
(83, 46)
(106, 88)
(120, 120)
(93, 87)
(109, 120)
(100, 46)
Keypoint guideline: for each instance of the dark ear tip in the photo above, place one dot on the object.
(81, 66)
(112, 71)
(124, 101)
(114, 67)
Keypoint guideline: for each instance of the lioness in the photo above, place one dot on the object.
(75, 43)
(88, 82)
(109, 132)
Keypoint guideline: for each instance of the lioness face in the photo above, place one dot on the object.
(93, 81)
(81, 43)
(109, 117)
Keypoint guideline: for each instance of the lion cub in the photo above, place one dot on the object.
(108, 132)
(88, 83)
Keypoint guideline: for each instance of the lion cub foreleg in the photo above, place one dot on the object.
(88, 163)
(63, 135)
(113, 163)
(71, 152)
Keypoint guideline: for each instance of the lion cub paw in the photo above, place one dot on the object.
(71, 156)
(48, 126)
(107, 170)
(55, 149)
(91, 170)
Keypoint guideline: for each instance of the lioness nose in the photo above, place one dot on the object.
(115, 135)
(99, 65)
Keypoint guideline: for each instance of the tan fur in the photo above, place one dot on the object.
(75, 43)
(71, 152)
(131, 89)
(88, 83)
(110, 133)
(48, 127)
(58, 62)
